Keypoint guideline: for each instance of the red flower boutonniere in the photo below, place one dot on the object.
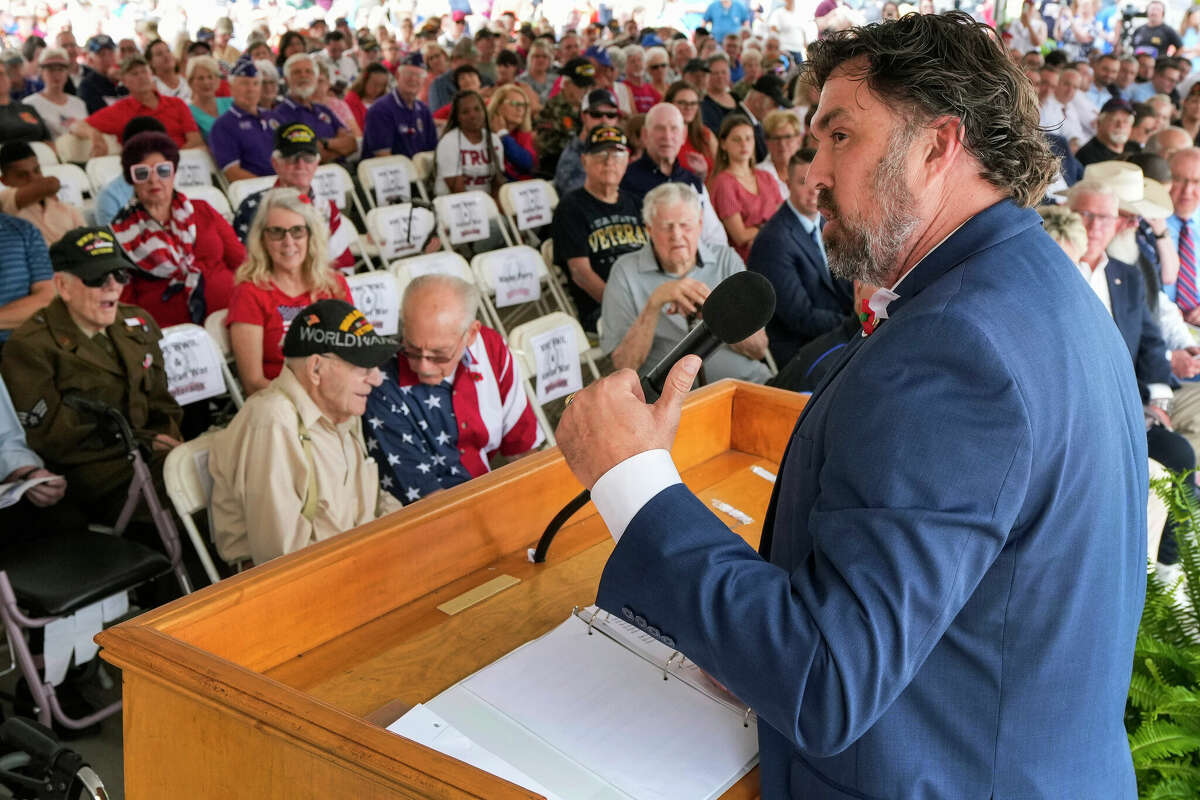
(867, 317)
(306, 200)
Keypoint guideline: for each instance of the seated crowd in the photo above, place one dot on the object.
(676, 162)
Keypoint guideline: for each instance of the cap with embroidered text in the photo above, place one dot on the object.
(606, 137)
(89, 253)
(338, 328)
(291, 140)
(100, 42)
(580, 71)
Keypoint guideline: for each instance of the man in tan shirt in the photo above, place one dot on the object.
(292, 467)
(28, 194)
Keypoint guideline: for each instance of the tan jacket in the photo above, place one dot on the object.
(260, 476)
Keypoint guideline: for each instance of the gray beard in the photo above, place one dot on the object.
(304, 92)
(857, 252)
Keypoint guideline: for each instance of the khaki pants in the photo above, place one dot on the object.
(1185, 412)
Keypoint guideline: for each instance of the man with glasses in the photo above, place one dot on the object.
(599, 108)
(398, 123)
(451, 400)
(597, 223)
(292, 468)
(1166, 77)
(86, 341)
(295, 160)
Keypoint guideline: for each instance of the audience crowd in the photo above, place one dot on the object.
(677, 146)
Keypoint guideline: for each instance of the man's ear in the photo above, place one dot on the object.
(945, 144)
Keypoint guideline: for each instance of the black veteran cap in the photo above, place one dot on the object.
(580, 71)
(606, 137)
(291, 140)
(89, 253)
(335, 326)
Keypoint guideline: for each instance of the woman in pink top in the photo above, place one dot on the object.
(743, 197)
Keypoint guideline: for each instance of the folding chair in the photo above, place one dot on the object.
(388, 180)
(214, 324)
(213, 196)
(423, 163)
(73, 149)
(238, 191)
(528, 205)
(74, 185)
(196, 366)
(196, 168)
(333, 182)
(441, 262)
(376, 296)
(521, 342)
(511, 281)
(400, 230)
(102, 170)
(466, 219)
(45, 153)
(189, 485)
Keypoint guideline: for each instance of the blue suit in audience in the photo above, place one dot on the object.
(808, 300)
(1137, 324)
(945, 605)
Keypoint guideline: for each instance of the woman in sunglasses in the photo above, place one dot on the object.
(184, 250)
(510, 118)
(287, 268)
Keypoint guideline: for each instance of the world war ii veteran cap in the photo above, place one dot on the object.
(335, 326)
(606, 137)
(291, 140)
(89, 253)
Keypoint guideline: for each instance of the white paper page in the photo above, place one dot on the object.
(611, 711)
(58, 642)
(531, 205)
(10, 493)
(117, 605)
(423, 726)
(556, 355)
(89, 621)
(392, 184)
(515, 280)
(192, 364)
(466, 218)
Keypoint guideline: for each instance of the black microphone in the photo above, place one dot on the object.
(739, 305)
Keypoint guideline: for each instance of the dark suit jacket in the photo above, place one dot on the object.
(954, 559)
(1139, 329)
(808, 300)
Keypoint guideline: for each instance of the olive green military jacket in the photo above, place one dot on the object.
(49, 356)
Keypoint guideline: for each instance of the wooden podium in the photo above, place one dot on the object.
(279, 682)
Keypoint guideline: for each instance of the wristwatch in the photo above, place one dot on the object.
(1162, 235)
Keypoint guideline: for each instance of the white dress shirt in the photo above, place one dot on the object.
(1063, 120)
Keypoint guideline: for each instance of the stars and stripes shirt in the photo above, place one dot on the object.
(427, 438)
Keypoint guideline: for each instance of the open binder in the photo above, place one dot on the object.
(594, 710)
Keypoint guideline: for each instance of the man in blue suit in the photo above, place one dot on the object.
(953, 565)
(789, 252)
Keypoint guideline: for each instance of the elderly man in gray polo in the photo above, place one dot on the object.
(654, 294)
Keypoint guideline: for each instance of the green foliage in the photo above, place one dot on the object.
(1163, 712)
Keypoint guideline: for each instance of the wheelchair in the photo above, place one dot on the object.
(39, 768)
(47, 579)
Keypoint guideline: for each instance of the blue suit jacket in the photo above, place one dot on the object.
(808, 300)
(955, 554)
(1137, 324)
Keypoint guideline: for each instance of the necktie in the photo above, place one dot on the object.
(816, 237)
(1185, 284)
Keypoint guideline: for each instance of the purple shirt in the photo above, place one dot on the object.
(244, 139)
(396, 126)
(321, 119)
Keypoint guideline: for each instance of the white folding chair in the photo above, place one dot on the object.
(333, 182)
(74, 187)
(515, 283)
(74, 149)
(213, 196)
(388, 180)
(423, 163)
(196, 168)
(189, 485)
(401, 230)
(238, 191)
(520, 342)
(470, 217)
(441, 262)
(196, 365)
(102, 170)
(528, 205)
(45, 154)
(376, 296)
(214, 323)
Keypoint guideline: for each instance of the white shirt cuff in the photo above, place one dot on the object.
(621, 492)
(1158, 391)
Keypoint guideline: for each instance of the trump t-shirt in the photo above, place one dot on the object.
(457, 155)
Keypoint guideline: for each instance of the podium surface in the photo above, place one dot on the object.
(281, 679)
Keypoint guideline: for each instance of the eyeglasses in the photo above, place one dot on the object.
(607, 155)
(657, 66)
(517, 103)
(783, 137)
(303, 158)
(1088, 217)
(141, 172)
(686, 103)
(274, 233)
(121, 276)
(433, 358)
(604, 114)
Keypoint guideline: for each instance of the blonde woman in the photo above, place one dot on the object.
(510, 118)
(1066, 228)
(784, 132)
(286, 269)
(204, 78)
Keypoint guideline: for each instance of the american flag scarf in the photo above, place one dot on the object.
(166, 252)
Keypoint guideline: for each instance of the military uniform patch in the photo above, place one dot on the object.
(34, 416)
